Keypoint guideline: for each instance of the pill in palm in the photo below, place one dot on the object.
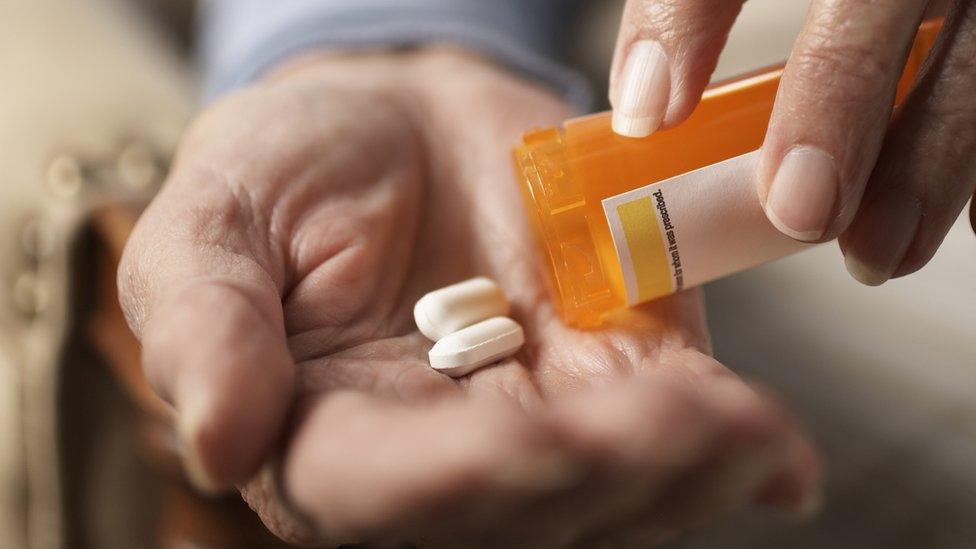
(458, 306)
(481, 344)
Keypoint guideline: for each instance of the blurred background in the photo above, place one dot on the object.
(93, 98)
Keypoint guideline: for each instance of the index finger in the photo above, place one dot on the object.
(666, 52)
(832, 111)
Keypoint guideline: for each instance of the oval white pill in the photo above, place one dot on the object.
(484, 343)
(458, 306)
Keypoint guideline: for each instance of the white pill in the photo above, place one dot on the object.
(458, 306)
(484, 343)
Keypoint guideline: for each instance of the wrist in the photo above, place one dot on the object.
(438, 85)
(410, 70)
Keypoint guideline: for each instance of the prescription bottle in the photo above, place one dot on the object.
(621, 221)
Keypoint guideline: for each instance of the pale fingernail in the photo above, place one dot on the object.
(802, 195)
(864, 273)
(642, 92)
(881, 236)
(188, 428)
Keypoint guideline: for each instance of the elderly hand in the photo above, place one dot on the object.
(834, 163)
(272, 280)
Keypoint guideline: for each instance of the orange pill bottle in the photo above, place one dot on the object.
(621, 221)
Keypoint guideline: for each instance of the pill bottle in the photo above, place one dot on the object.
(621, 221)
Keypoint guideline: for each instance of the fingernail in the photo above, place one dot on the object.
(881, 235)
(188, 429)
(802, 195)
(642, 92)
(864, 273)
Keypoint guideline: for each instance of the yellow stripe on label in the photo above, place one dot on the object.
(646, 245)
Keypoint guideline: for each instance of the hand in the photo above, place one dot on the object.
(833, 163)
(272, 280)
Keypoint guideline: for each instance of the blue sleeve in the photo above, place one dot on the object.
(244, 38)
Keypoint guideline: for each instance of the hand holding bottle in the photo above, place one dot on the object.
(272, 283)
(834, 163)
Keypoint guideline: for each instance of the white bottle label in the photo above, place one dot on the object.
(693, 228)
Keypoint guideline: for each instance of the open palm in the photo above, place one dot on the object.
(272, 283)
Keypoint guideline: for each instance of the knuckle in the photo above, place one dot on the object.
(954, 115)
(675, 21)
(841, 74)
(652, 15)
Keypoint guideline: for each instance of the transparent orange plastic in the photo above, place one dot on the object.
(567, 172)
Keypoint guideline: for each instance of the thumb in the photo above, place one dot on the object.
(210, 320)
(665, 55)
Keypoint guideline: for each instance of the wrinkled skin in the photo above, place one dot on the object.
(895, 180)
(272, 283)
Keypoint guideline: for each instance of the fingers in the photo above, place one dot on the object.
(718, 488)
(754, 445)
(831, 113)
(927, 169)
(363, 468)
(209, 318)
(666, 52)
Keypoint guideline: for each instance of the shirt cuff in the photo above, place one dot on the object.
(242, 39)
